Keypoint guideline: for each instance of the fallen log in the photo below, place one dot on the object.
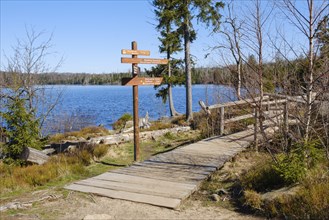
(34, 156)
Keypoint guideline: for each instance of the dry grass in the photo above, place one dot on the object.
(87, 132)
(15, 178)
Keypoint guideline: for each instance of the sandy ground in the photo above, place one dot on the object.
(77, 206)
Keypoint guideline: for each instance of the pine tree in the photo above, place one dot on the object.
(170, 44)
(184, 12)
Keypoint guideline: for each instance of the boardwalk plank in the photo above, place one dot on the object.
(171, 192)
(124, 178)
(135, 197)
(168, 168)
(159, 176)
(148, 168)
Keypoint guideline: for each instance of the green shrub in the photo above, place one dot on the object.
(22, 129)
(310, 202)
(121, 122)
(262, 177)
(293, 166)
(169, 136)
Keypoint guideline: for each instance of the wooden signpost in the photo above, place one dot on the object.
(136, 81)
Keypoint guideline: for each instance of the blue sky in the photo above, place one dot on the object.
(88, 34)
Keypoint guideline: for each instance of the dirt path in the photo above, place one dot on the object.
(78, 206)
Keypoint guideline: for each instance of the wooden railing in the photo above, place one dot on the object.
(267, 101)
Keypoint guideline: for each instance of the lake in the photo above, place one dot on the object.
(102, 105)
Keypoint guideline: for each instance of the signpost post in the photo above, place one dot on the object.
(135, 81)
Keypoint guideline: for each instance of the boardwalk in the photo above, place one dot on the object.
(167, 179)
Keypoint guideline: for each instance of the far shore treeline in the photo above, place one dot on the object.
(200, 76)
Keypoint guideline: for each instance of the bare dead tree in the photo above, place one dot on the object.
(29, 58)
(307, 23)
(231, 30)
(255, 28)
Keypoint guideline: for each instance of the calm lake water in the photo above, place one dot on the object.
(94, 105)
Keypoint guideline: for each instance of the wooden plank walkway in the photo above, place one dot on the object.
(167, 179)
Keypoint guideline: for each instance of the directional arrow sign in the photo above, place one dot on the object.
(141, 81)
(144, 60)
(136, 52)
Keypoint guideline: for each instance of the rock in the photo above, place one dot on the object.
(72, 138)
(71, 148)
(204, 192)
(97, 217)
(215, 197)
(285, 191)
(123, 137)
(49, 151)
(222, 191)
(81, 139)
(154, 138)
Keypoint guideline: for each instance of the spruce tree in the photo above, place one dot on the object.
(22, 129)
(170, 44)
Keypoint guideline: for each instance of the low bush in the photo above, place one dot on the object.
(121, 122)
(310, 202)
(262, 177)
(158, 125)
(100, 150)
(293, 165)
(252, 199)
(169, 136)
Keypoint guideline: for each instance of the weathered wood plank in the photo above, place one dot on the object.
(164, 166)
(136, 197)
(124, 178)
(240, 102)
(168, 171)
(135, 188)
(162, 176)
(238, 118)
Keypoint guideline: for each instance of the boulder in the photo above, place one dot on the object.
(215, 197)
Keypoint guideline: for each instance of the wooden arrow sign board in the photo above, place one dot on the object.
(135, 52)
(141, 81)
(143, 60)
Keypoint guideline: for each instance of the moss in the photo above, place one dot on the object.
(252, 199)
